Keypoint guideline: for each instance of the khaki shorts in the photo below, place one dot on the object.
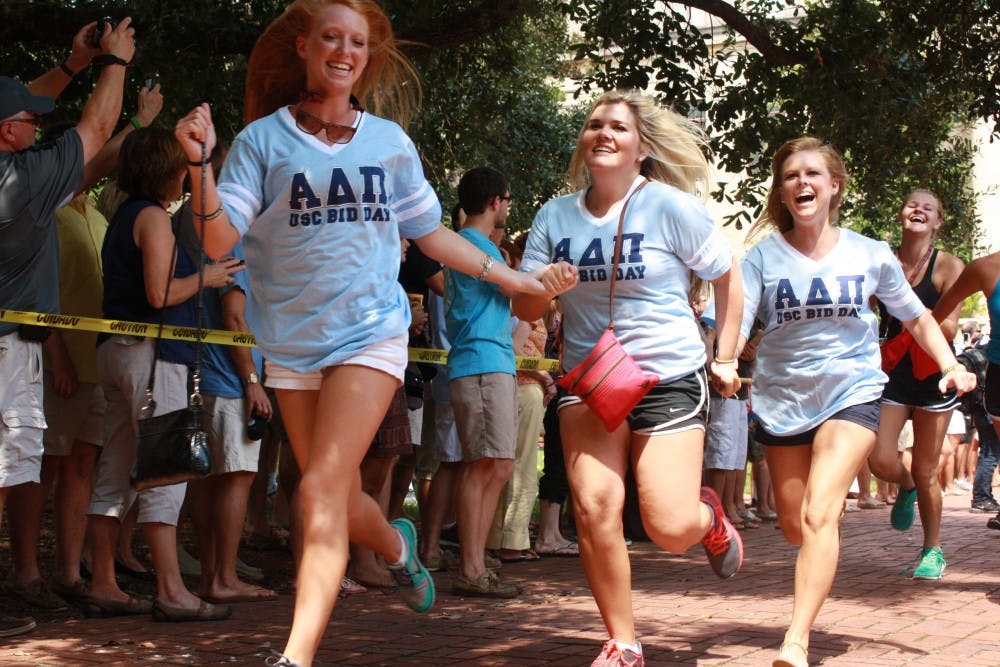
(230, 448)
(123, 367)
(79, 417)
(21, 411)
(485, 415)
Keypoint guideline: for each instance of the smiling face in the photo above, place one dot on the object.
(610, 140)
(807, 187)
(335, 49)
(921, 213)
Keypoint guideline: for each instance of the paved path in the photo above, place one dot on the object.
(685, 616)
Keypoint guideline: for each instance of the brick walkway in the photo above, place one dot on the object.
(684, 615)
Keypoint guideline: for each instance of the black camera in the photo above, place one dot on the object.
(105, 25)
(256, 427)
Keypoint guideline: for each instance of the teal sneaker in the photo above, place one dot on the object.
(902, 510)
(413, 582)
(931, 564)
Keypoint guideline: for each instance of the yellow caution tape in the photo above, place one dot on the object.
(216, 336)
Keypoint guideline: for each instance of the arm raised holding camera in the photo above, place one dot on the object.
(82, 52)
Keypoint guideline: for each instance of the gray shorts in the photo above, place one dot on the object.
(21, 410)
(485, 415)
(726, 434)
(230, 448)
(79, 417)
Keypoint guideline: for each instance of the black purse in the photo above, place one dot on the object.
(173, 447)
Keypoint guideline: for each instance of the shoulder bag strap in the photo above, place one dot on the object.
(195, 398)
(618, 252)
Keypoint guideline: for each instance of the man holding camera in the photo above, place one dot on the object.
(34, 182)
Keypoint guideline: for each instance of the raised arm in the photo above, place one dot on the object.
(100, 113)
(52, 83)
(150, 104)
(195, 130)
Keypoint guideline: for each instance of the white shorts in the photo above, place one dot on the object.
(79, 417)
(231, 449)
(956, 426)
(388, 356)
(21, 411)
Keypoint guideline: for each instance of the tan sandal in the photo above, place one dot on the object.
(791, 654)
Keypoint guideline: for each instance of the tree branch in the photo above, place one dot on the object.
(464, 27)
(756, 36)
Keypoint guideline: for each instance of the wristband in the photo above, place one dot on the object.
(135, 123)
(211, 216)
(66, 70)
(195, 163)
(108, 59)
(724, 362)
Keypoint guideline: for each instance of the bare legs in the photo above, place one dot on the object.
(810, 484)
(668, 473)
(330, 431)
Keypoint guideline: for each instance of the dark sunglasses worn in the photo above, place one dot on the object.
(335, 132)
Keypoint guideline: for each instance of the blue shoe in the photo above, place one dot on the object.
(413, 582)
(931, 564)
(902, 510)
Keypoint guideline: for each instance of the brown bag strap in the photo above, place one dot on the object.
(618, 252)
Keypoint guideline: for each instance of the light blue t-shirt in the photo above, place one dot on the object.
(666, 235)
(321, 227)
(478, 318)
(820, 351)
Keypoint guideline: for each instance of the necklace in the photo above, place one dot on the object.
(920, 264)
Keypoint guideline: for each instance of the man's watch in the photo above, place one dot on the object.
(251, 379)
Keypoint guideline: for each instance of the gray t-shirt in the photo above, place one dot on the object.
(33, 184)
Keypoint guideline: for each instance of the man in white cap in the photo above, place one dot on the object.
(34, 182)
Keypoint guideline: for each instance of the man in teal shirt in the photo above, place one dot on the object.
(482, 382)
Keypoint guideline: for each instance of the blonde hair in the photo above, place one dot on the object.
(922, 191)
(276, 74)
(775, 213)
(673, 143)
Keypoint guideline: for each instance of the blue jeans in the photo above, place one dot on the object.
(989, 453)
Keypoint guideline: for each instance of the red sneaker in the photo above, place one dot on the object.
(722, 543)
(612, 656)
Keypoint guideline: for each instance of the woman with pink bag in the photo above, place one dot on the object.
(660, 235)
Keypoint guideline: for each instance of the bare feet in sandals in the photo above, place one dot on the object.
(568, 548)
(242, 592)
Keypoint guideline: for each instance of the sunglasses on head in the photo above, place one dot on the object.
(335, 132)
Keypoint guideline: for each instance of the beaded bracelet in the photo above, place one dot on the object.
(953, 367)
(486, 265)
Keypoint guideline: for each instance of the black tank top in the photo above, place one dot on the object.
(928, 295)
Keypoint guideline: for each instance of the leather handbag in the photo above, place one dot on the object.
(173, 447)
(609, 380)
